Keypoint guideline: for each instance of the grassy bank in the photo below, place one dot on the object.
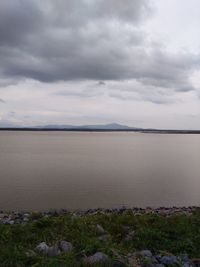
(124, 234)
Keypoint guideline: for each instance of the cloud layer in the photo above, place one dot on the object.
(82, 39)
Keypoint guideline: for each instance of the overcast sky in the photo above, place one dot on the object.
(135, 62)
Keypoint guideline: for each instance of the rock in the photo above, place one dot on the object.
(133, 262)
(168, 260)
(184, 258)
(30, 253)
(26, 219)
(8, 222)
(100, 230)
(3, 216)
(53, 251)
(42, 248)
(145, 253)
(98, 257)
(103, 238)
(65, 246)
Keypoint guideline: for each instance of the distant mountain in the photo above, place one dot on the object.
(111, 126)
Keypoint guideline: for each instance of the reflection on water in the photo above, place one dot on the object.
(73, 170)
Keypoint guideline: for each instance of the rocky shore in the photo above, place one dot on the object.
(123, 237)
(15, 217)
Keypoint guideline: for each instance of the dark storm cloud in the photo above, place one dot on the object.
(85, 39)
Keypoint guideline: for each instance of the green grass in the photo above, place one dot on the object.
(176, 234)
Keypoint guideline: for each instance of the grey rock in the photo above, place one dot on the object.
(42, 248)
(168, 260)
(145, 253)
(53, 251)
(8, 222)
(65, 246)
(103, 238)
(100, 230)
(98, 257)
(3, 215)
(30, 253)
(18, 221)
(184, 258)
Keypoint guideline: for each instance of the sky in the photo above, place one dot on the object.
(133, 62)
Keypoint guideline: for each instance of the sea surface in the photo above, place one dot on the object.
(82, 170)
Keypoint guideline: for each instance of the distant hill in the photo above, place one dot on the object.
(111, 126)
(94, 127)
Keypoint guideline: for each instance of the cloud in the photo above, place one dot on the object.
(1, 100)
(100, 40)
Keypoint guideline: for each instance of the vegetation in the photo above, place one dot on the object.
(176, 234)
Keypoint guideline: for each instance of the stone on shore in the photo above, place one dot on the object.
(42, 248)
(97, 258)
(103, 238)
(100, 230)
(65, 246)
(145, 253)
(30, 253)
(168, 260)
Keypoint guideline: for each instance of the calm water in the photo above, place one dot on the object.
(47, 170)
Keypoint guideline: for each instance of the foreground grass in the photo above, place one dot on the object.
(177, 234)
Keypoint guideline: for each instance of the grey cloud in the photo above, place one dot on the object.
(148, 97)
(1, 100)
(83, 93)
(17, 19)
(101, 83)
(52, 40)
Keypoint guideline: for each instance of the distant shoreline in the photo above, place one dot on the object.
(155, 131)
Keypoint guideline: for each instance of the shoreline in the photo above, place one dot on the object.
(19, 217)
(151, 131)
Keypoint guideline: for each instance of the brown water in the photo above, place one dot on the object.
(74, 170)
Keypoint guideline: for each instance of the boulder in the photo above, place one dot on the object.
(103, 238)
(100, 230)
(145, 253)
(97, 258)
(30, 253)
(42, 248)
(65, 246)
(168, 260)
